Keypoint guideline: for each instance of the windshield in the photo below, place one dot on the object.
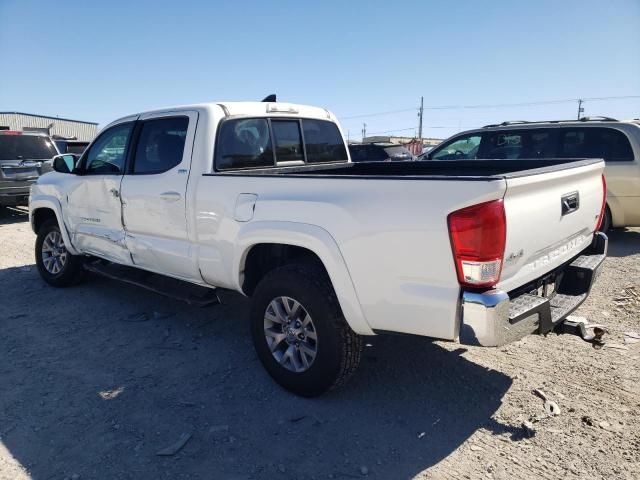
(26, 147)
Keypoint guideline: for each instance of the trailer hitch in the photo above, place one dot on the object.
(579, 326)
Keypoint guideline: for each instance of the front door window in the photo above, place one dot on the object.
(107, 154)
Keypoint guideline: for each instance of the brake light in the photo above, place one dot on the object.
(604, 204)
(478, 234)
(9, 132)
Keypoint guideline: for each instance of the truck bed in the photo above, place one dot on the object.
(433, 169)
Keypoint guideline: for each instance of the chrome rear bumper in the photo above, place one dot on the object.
(495, 317)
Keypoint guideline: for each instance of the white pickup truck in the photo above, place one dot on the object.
(262, 198)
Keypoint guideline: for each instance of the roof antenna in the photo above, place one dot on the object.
(270, 98)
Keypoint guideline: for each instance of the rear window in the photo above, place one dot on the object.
(286, 134)
(261, 142)
(26, 147)
(244, 143)
(367, 153)
(398, 153)
(76, 147)
(323, 142)
(378, 153)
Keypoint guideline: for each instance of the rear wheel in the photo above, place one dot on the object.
(606, 220)
(299, 332)
(55, 264)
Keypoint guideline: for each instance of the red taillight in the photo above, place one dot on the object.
(604, 204)
(478, 234)
(9, 132)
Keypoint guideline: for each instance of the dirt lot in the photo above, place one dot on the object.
(95, 380)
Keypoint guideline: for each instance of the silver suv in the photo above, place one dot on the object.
(24, 156)
(617, 142)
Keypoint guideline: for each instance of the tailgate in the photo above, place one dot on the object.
(550, 218)
(21, 170)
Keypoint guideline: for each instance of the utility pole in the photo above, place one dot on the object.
(364, 131)
(580, 109)
(420, 112)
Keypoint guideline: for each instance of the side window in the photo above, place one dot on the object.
(541, 144)
(520, 144)
(464, 148)
(594, 142)
(286, 135)
(504, 146)
(160, 145)
(572, 143)
(107, 154)
(323, 141)
(244, 143)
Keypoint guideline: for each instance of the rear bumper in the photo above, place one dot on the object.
(14, 195)
(495, 318)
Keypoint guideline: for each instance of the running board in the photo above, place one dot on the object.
(169, 287)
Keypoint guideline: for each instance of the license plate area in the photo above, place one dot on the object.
(546, 286)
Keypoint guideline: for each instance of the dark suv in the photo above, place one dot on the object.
(24, 156)
(379, 152)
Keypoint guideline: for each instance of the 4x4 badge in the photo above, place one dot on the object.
(515, 256)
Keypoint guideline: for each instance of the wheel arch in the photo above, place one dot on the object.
(43, 209)
(262, 246)
(616, 210)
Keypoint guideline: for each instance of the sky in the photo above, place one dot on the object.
(98, 61)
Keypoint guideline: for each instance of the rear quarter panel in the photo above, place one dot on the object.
(392, 235)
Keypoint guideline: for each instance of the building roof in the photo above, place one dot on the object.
(46, 116)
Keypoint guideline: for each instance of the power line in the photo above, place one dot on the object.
(497, 105)
(410, 128)
(379, 113)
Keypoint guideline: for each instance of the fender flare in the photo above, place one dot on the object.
(617, 212)
(51, 203)
(315, 239)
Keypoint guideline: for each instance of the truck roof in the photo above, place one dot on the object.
(245, 109)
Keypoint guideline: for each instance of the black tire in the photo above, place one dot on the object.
(338, 349)
(605, 226)
(72, 271)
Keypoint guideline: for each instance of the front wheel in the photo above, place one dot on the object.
(55, 264)
(299, 332)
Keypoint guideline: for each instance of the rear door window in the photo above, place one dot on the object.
(503, 145)
(607, 143)
(286, 135)
(244, 143)
(323, 141)
(519, 144)
(160, 145)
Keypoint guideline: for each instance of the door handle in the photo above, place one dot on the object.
(115, 192)
(170, 196)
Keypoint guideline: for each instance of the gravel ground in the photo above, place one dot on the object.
(97, 379)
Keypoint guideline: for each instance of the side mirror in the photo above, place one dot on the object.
(65, 163)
